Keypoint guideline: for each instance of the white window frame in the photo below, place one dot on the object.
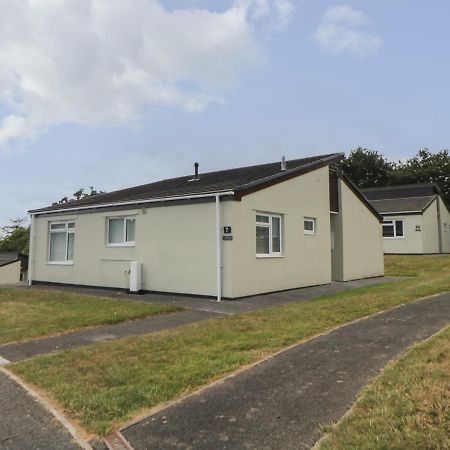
(67, 231)
(313, 221)
(269, 225)
(124, 242)
(393, 223)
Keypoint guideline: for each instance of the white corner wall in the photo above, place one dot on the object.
(445, 226)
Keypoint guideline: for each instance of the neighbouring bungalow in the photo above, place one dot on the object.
(225, 234)
(13, 267)
(416, 219)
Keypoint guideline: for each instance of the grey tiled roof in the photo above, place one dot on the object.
(8, 257)
(238, 179)
(400, 191)
(396, 205)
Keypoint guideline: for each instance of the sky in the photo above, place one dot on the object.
(116, 94)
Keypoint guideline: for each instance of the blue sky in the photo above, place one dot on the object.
(271, 78)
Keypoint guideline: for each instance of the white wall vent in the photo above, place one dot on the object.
(135, 276)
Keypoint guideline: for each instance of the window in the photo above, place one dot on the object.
(445, 226)
(309, 225)
(393, 228)
(121, 231)
(268, 235)
(61, 242)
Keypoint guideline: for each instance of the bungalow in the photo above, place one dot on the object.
(13, 267)
(416, 219)
(229, 234)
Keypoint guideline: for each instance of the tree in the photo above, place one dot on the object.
(367, 168)
(81, 193)
(16, 237)
(425, 167)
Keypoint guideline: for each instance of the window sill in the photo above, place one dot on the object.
(394, 238)
(120, 245)
(269, 256)
(310, 234)
(60, 263)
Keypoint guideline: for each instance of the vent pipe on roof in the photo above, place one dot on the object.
(196, 177)
(283, 163)
(196, 171)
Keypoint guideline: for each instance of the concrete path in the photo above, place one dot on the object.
(282, 402)
(24, 350)
(235, 306)
(198, 309)
(27, 425)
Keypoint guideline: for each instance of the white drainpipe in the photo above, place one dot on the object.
(31, 252)
(218, 249)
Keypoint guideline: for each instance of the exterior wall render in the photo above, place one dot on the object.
(176, 246)
(445, 226)
(10, 273)
(362, 244)
(412, 241)
(305, 259)
(430, 229)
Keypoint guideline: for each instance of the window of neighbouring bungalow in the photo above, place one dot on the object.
(61, 242)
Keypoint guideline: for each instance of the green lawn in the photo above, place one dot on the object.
(406, 407)
(103, 385)
(30, 313)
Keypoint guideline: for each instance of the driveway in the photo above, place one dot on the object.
(281, 403)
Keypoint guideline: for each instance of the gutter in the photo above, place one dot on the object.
(31, 251)
(131, 202)
(218, 250)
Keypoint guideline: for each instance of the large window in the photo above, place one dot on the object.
(268, 235)
(393, 228)
(61, 242)
(121, 231)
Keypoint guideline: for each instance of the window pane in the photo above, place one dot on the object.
(388, 230)
(70, 241)
(399, 228)
(276, 241)
(115, 231)
(262, 219)
(57, 247)
(262, 240)
(308, 225)
(131, 230)
(58, 226)
(71, 225)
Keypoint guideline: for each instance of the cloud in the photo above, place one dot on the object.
(343, 29)
(103, 63)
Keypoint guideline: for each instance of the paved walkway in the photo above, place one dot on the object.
(24, 350)
(198, 309)
(26, 425)
(281, 403)
(235, 306)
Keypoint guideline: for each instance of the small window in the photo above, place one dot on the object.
(393, 228)
(445, 226)
(121, 231)
(309, 226)
(61, 242)
(268, 235)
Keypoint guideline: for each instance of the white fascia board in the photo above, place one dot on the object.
(134, 202)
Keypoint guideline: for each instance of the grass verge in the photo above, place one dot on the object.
(406, 407)
(26, 314)
(103, 385)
